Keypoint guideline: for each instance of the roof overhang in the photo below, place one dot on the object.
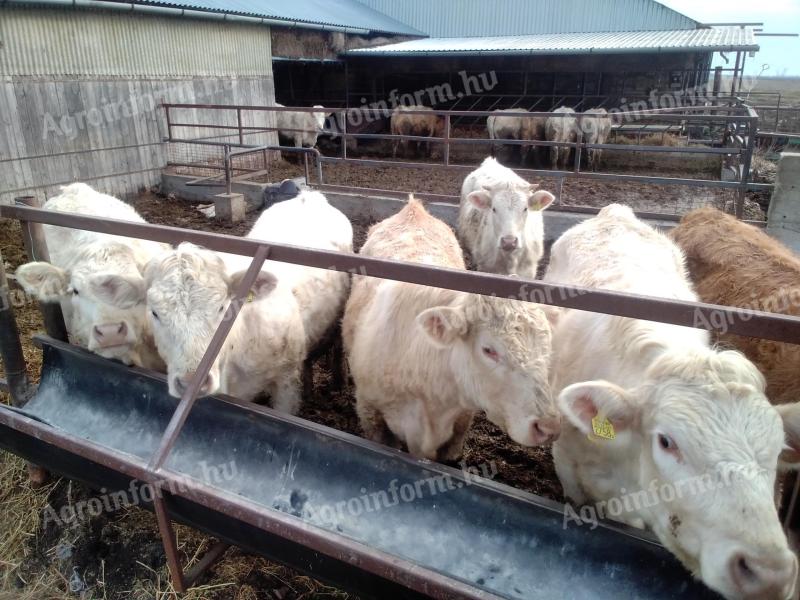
(718, 39)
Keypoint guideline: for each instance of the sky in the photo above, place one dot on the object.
(779, 16)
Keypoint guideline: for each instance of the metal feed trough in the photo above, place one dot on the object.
(114, 427)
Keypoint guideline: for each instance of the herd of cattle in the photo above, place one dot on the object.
(303, 129)
(630, 406)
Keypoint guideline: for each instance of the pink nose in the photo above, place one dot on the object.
(763, 576)
(181, 383)
(110, 334)
(509, 243)
(545, 430)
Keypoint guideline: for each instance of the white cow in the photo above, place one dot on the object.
(596, 126)
(425, 359)
(311, 123)
(500, 220)
(695, 442)
(561, 129)
(81, 276)
(292, 306)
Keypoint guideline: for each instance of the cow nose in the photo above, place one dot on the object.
(110, 334)
(182, 383)
(509, 243)
(545, 430)
(763, 576)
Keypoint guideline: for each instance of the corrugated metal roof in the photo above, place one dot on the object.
(334, 13)
(462, 18)
(681, 40)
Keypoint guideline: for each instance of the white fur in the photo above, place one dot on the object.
(81, 263)
(496, 202)
(189, 288)
(596, 126)
(418, 355)
(652, 379)
(311, 123)
(561, 129)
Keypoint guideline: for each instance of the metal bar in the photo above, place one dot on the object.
(759, 324)
(447, 140)
(549, 173)
(213, 555)
(36, 247)
(16, 377)
(169, 121)
(169, 541)
(190, 394)
(239, 123)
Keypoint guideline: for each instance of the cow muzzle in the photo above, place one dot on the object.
(109, 335)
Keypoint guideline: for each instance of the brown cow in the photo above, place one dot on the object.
(736, 264)
(403, 123)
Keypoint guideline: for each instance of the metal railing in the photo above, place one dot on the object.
(743, 117)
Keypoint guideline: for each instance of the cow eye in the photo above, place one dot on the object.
(494, 210)
(155, 315)
(221, 308)
(491, 353)
(667, 443)
(74, 292)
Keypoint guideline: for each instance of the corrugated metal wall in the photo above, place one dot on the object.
(444, 18)
(80, 92)
(88, 43)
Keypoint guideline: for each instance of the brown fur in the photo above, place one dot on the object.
(416, 125)
(735, 264)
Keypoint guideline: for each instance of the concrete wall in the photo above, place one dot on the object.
(783, 217)
(80, 92)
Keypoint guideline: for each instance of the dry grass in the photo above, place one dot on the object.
(652, 139)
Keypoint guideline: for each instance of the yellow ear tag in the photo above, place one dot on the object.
(250, 297)
(603, 428)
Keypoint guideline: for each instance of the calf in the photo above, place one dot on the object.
(596, 127)
(500, 220)
(189, 288)
(81, 276)
(403, 123)
(666, 431)
(300, 127)
(735, 264)
(425, 359)
(561, 129)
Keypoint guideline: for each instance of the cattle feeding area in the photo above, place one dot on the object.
(466, 342)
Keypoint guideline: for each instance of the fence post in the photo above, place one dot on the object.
(344, 134)
(10, 346)
(36, 248)
(447, 139)
(752, 131)
(239, 125)
(578, 145)
(169, 123)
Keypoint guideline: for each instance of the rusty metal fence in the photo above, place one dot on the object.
(731, 113)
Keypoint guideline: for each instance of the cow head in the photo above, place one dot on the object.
(186, 293)
(707, 442)
(507, 206)
(92, 291)
(500, 355)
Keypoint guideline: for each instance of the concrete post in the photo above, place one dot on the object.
(783, 216)
(230, 207)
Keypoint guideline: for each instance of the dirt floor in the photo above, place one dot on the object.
(643, 197)
(119, 554)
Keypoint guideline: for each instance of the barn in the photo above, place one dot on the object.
(82, 81)
(544, 54)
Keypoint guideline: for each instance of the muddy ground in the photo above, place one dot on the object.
(119, 554)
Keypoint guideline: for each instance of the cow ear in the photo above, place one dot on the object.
(481, 199)
(122, 291)
(790, 456)
(43, 281)
(443, 325)
(582, 402)
(262, 287)
(540, 200)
